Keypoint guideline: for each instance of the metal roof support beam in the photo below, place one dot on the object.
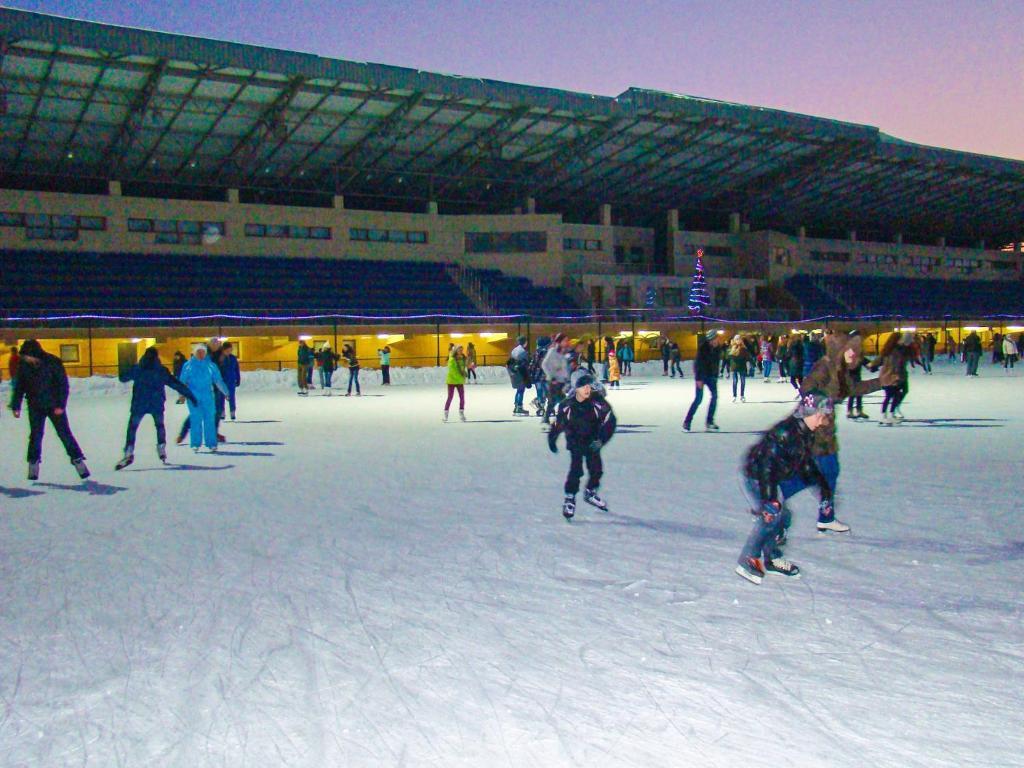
(385, 128)
(30, 121)
(484, 139)
(410, 162)
(367, 96)
(86, 105)
(269, 121)
(113, 156)
(184, 100)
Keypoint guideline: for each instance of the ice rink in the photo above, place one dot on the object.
(350, 582)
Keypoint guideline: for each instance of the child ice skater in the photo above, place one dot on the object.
(783, 452)
(588, 422)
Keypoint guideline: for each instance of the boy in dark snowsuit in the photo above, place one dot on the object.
(148, 398)
(44, 383)
(588, 422)
(786, 450)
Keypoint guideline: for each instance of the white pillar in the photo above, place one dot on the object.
(531, 205)
(801, 232)
(114, 188)
(606, 215)
(233, 196)
(673, 219)
(432, 207)
(339, 202)
(734, 223)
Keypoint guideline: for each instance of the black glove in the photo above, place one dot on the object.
(594, 446)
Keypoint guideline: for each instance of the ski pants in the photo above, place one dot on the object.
(595, 468)
(462, 396)
(741, 378)
(353, 378)
(37, 426)
(135, 419)
(712, 385)
(768, 525)
(829, 466)
(202, 420)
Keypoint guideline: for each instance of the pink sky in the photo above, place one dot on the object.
(944, 73)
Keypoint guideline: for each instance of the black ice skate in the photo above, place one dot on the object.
(780, 566)
(80, 468)
(129, 457)
(161, 452)
(569, 507)
(33, 470)
(594, 500)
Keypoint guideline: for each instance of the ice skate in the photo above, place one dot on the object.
(591, 497)
(686, 426)
(232, 415)
(221, 438)
(462, 415)
(885, 420)
(569, 507)
(33, 470)
(711, 427)
(898, 416)
(832, 526)
(161, 452)
(80, 468)
(861, 415)
(735, 400)
(780, 566)
(444, 416)
(129, 457)
(750, 568)
(743, 399)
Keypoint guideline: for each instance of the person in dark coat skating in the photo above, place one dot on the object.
(43, 381)
(705, 371)
(588, 422)
(148, 398)
(231, 372)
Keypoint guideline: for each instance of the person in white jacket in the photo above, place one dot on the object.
(1010, 353)
(556, 367)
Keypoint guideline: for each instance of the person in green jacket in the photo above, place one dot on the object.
(305, 361)
(456, 380)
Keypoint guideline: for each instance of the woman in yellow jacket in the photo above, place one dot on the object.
(456, 380)
(613, 369)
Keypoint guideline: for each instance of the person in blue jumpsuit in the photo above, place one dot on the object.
(201, 376)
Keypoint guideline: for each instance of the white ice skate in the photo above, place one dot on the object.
(833, 526)
(594, 500)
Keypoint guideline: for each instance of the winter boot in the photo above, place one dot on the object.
(33, 470)
(80, 468)
(780, 566)
(129, 457)
(591, 497)
(569, 507)
(751, 569)
(462, 415)
(161, 452)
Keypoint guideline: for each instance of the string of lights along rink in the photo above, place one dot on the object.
(350, 581)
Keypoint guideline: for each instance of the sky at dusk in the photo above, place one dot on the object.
(944, 73)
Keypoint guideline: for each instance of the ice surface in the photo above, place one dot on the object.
(351, 582)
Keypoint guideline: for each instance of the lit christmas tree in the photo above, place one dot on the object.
(699, 287)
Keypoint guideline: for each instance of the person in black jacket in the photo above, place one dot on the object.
(785, 451)
(148, 397)
(588, 422)
(43, 381)
(705, 371)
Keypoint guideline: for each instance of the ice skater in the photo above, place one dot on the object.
(349, 353)
(149, 379)
(231, 372)
(705, 371)
(201, 376)
(456, 381)
(43, 381)
(785, 450)
(589, 423)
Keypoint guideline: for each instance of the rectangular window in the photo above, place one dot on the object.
(10, 219)
(92, 223)
(37, 220)
(620, 254)
(39, 233)
(188, 227)
(592, 245)
(397, 236)
(320, 233)
(506, 242)
(299, 233)
(190, 238)
(671, 297)
(277, 230)
(418, 237)
(833, 256)
(65, 234)
(721, 297)
(167, 238)
(378, 235)
(214, 228)
(65, 222)
(165, 225)
(359, 234)
(255, 230)
(140, 225)
(69, 353)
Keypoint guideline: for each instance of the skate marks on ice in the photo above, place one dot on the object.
(255, 421)
(170, 467)
(18, 493)
(962, 423)
(90, 487)
(678, 527)
(256, 443)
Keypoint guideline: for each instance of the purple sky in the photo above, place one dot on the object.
(945, 73)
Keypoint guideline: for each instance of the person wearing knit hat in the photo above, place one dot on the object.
(518, 366)
(786, 450)
(43, 381)
(897, 353)
(705, 371)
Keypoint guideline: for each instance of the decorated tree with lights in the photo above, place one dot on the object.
(699, 287)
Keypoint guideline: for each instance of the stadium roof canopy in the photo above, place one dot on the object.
(80, 100)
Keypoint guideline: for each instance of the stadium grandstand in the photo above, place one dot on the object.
(160, 186)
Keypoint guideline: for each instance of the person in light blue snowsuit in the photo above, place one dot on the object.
(201, 376)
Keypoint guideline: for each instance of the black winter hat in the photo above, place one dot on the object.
(583, 380)
(31, 347)
(814, 402)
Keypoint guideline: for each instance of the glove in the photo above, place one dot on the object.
(770, 511)
(553, 444)
(594, 447)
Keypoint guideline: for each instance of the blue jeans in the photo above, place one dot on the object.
(767, 527)
(712, 385)
(767, 369)
(542, 391)
(739, 376)
(829, 466)
(353, 378)
(518, 401)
